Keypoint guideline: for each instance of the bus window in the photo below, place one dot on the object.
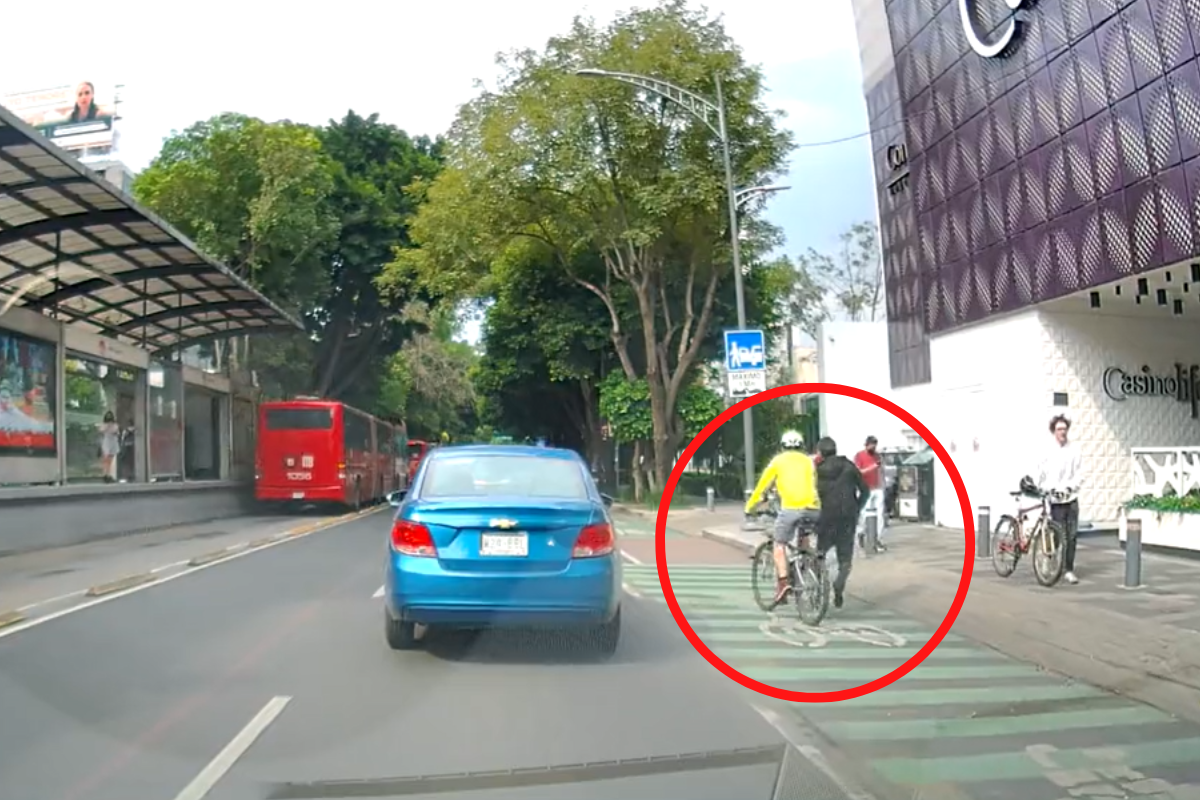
(299, 419)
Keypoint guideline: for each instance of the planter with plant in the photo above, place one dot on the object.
(1168, 520)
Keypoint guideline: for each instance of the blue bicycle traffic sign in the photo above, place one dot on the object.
(745, 351)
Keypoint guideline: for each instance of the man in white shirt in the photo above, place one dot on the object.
(1062, 471)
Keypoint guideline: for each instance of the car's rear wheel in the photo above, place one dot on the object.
(400, 635)
(607, 636)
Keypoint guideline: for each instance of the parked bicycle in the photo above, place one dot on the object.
(811, 584)
(1014, 536)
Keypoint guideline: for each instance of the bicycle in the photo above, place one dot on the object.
(1014, 537)
(811, 584)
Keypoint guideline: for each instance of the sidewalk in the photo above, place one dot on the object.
(1144, 643)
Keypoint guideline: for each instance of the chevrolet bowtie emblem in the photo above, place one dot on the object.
(503, 524)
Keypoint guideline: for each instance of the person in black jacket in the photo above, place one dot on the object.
(843, 494)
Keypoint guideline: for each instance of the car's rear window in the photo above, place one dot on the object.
(299, 419)
(508, 476)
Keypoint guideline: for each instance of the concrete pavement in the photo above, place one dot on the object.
(1003, 708)
(267, 675)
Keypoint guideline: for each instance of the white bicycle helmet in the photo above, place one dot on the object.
(792, 440)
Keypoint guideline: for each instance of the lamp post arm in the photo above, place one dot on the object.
(699, 107)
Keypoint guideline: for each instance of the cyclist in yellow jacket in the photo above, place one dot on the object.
(794, 477)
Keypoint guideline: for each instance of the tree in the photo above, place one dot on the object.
(358, 329)
(310, 216)
(427, 382)
(252, 195)
(545, 344)
(799, 302)
(854, 276)
(572, 166)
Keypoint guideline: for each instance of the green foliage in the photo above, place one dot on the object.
(623, 194)
(698, 406)
(853, 275)
(626, 406)
(1167, 504)
(253, 195)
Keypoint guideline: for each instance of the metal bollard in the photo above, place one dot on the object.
(983, 532)
(710, 499)
(870, 534)
(1133, 553)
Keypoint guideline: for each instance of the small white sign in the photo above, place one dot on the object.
(743, 384)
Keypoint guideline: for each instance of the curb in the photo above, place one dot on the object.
(217, 555)
(119, 585)
(11, 618)
(730, 541)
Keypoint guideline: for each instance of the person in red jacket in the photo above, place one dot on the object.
(870, 464)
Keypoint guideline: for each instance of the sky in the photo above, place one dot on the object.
(416, 63)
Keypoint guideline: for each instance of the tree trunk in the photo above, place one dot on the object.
(791, 356)
(635, 469)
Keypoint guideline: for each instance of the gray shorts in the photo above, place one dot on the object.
(789, 521)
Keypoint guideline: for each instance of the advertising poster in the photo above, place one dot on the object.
(27, 399)
(75, 117)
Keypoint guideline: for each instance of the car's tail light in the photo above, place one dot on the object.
(594, 540)
(412, 539)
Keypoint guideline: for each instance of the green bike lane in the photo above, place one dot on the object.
(970, 721)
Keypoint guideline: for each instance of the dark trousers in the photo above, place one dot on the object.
(838, 533)
(1067, 515)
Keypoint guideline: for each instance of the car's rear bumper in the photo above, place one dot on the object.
(587, 591)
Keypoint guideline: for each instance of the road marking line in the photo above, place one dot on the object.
(95, 601)
(216, 769)
(631, 591)
(216, 555)
(378, 593)
(631, 559)
(121, 584)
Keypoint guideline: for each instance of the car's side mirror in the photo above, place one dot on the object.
(608, 499)
(396, 498)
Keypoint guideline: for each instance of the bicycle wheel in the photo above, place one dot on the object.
(762, 576)
(812, 591)
(1005, 547)
(1049, 553)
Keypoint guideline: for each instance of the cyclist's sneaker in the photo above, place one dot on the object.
(1070, 578)
(782, 587)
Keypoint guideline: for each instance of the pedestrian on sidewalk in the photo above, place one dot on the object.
(870, 464)
(1061, 471)
(791, 473)
(843, 494)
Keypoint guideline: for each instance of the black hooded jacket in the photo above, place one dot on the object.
(842, 490)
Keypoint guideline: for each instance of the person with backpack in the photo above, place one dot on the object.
(843, 493)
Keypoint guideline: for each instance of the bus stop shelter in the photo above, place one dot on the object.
(94, 287)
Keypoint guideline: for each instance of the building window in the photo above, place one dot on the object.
(166, 422)
(101, 419)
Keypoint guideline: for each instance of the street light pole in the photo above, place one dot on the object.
(703, 109)
(735, 241)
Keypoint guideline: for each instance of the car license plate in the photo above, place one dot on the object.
(504, 544)
(297, 495)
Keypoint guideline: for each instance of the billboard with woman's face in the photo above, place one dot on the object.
(74, 117)
(27, 399)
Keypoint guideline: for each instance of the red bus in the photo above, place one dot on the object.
(313, 451)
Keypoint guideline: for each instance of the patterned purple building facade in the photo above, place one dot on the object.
(1066, 162)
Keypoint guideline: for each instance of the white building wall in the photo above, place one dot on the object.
(988, 406)
(991, 398)
(856, 354)
(1077, 348)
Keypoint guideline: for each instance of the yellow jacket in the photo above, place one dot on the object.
(795, 480)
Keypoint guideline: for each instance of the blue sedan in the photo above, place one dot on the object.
(503, 535)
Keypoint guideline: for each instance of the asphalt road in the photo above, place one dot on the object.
(267, 675)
